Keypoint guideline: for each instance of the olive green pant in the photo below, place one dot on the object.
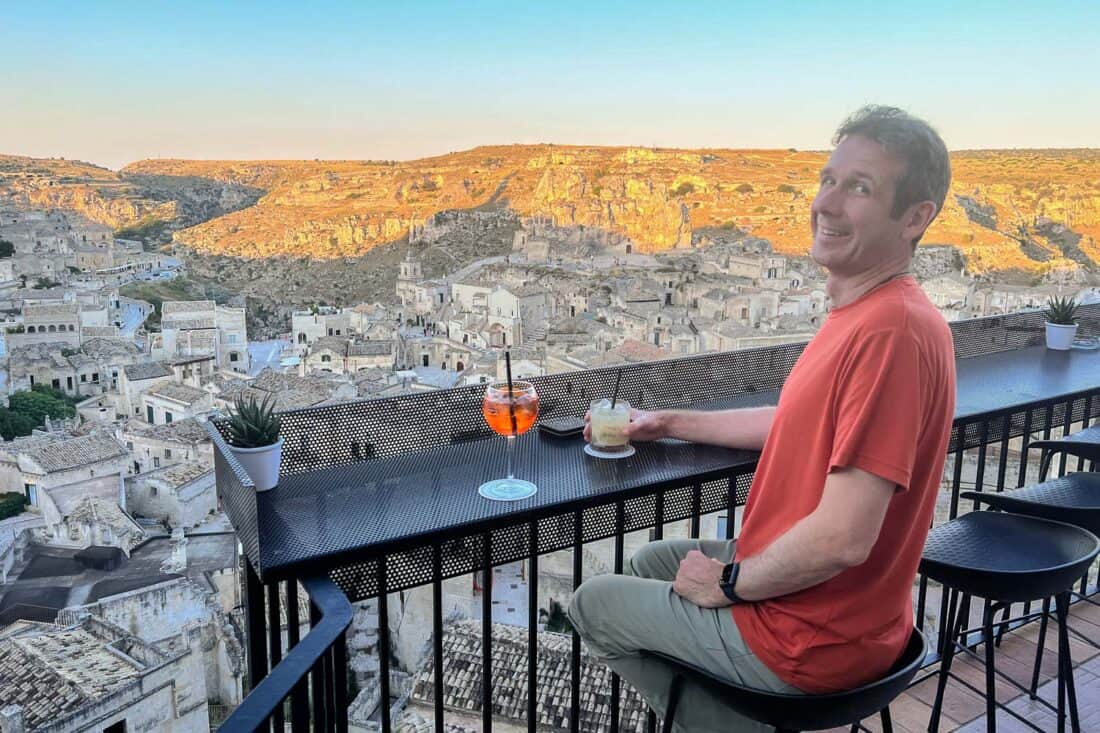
(618, 616)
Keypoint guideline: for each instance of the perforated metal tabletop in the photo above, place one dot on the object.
(379, 506)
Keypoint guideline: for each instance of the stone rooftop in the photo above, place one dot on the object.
(186, 431)
(182, 473)
(146, 370)
(171, 309)
(104, 347)
(462, 679)
(60, 453)
(51, 673)
(370, 348)
(59, 310)
(188, 324)
(177, 392)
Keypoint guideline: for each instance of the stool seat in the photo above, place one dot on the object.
(1073, 499)
(795, 712)
(1008, 557)
(1085, 443)
(1082, 444)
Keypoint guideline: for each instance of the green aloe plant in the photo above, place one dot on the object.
(1060, 311)
(252, 424)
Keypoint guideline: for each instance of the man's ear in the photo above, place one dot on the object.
(917, 219)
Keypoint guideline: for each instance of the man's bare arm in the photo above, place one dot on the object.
(838, 535)
(746, 429)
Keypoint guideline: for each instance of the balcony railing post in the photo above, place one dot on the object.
(437, 635)
(575, 658)
(532, 629)
(319, 678)
(257, 634)
(383, 646)
(275, 641)
(487, 634)
(299, 698)
(618, 569)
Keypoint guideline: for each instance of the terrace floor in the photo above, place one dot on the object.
(964, 711)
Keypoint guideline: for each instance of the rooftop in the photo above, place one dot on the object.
(181, 393)
(146, 370)
(60, 453)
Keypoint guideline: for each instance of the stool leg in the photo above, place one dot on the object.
(1044, 464)
(1065, 659)
(673, 700)
(990, 688)
(1039, 651)
(887, 724)
(947, 650)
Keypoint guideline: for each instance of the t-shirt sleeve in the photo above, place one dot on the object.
(877, 407)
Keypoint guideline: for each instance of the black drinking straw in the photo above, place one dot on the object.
(511, 403)
(615, 392)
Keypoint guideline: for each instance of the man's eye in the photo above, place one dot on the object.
(861, 188)
(827, 181)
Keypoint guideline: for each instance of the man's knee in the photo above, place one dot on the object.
(649, 561)
(592, 603)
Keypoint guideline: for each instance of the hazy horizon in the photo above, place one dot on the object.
(114, 82)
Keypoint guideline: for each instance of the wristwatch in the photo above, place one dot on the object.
(729, 580)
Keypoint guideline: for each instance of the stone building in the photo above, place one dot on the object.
(93, 675)
(43, 461)
(134, 380)
(88, 513)
(202, 328)
(168, 401)
(182, 495)
(157, 446)
(50, 323)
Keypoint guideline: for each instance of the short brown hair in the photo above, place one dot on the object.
(912, 140)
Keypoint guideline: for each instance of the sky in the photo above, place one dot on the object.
(114, 82)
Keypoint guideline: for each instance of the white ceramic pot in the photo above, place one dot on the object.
(1060, 337)
(261, 464)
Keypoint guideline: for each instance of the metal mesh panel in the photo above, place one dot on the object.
(354, 435)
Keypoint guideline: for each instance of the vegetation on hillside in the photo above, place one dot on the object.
(27, 410)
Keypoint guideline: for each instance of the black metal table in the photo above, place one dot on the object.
(316, 520)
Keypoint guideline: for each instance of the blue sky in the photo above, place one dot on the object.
(113, 82)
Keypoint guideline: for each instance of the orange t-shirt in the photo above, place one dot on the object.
(875, 390)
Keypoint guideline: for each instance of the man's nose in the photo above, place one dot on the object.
(827, 201)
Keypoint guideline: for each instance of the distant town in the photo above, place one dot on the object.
(120, 574)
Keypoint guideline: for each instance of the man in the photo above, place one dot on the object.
(815, 595)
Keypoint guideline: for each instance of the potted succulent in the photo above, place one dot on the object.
(254, 439)
(1061, 328)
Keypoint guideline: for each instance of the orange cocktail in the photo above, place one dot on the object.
(509, 411)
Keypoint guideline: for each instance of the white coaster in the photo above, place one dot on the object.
(600, 454)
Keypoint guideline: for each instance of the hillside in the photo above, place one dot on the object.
(1025, 210)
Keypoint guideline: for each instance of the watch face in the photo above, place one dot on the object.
(726, 572)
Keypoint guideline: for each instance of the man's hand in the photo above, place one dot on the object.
(697, 580)
(643, 426)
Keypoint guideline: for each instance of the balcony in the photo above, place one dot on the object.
(377, 503)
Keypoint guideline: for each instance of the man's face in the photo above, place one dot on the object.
(850, 216)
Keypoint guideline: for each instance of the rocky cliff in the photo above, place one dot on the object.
(1025, 210)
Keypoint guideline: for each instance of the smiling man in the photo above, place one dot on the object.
(815, 595)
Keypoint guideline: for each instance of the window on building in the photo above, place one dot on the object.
(149, 413)
(330, 332)
(233, 356)
(32, 380)
(156, 462)
(83, 378)
(31, 490)
(68, 383)
(95, 377)
(30, 329)
(52, 329)
(129, 445)
(72, 327)
(56, 383)
(167, 416)
(119, 727)
(152, 491)
(167, 452)
(325, 358)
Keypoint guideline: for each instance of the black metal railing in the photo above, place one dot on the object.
(307, 686)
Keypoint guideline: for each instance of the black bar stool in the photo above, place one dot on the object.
(1082, 444)
(1073, 499)
(792, 713)
(1005, 558)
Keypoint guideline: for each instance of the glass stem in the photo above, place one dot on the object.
(511, 450)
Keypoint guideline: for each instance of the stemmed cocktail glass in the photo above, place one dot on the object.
(509, 411)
